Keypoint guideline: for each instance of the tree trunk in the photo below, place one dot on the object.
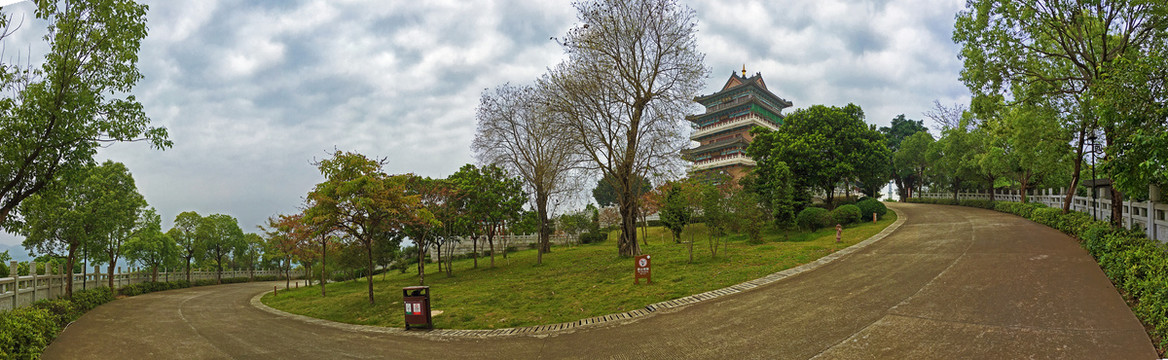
(1078, 168)
(627, 244)
(474, 241)
(287, 271)
(491, 242)
(541, 199)
(691, 247)
(323, 255)
(113, 262)
(369, 263)
(438, 248)
(188, 270)
(155, 277)
(69, 269)
(1117, 207)
(218, 267)
(421, 261)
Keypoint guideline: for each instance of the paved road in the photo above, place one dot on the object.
(952, 282)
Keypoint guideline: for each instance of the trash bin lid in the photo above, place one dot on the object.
(415, 287)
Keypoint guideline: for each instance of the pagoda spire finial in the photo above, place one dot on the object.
(743, 70)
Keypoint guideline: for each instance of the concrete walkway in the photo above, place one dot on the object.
(952, 282)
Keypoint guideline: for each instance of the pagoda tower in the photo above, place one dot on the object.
(723, 131)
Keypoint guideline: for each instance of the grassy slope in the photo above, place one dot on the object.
(572, 284)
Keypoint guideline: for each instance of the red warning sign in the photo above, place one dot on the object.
(641, 269)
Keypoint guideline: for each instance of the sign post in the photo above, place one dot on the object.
(641, 270)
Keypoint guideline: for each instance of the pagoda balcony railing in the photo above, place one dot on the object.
(723, 161)
(755, 119)
(735, 102)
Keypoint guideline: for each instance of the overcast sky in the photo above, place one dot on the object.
(253, 91)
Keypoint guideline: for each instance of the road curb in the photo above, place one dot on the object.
(596, 321)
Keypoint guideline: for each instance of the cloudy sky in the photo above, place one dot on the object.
(253, 91)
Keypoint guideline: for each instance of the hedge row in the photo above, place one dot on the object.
(815, 218)
(25, 332)
(1135, 264)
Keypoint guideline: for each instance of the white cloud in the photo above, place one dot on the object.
(252, 92)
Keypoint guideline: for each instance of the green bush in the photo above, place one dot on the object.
(593, 237)
(846, 214)
(871, 206)
(25, 332)
(62, 310)
(813, 218)
(1047, 216)
(86, 300)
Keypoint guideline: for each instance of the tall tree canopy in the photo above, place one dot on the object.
(1060, 52)
(149, 246)
(361, 201)
(899, 129)
(631, 74)
(825, 146)
(60, 114)
(218, 235)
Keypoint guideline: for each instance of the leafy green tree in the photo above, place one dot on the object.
(492, 199)
(218, 236)
(675, 210)
(248, 252)
(121, 214)
(1138, 107)
(952, 158)
(825, 146)
(361, 201)
(898, 130)
(716, 212)
(1057, 52)
(70, 217)
(61, 113)
(186, 234)
(913, 156)
(605, 194)
(149, 246)
(1033, 145)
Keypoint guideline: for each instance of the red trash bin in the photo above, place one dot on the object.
(417, 306)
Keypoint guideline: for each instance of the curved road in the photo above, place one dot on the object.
(952, 282)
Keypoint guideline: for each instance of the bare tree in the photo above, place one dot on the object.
(516, 132)
(631, 74)
(946, 117)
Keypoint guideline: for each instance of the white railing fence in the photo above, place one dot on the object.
(1146, 215)
(19, 291)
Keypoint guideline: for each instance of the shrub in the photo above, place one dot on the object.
(86, 300)
(1047, 216)
(593, 237)
(62, 310)
(846, 214)
(813, 218)
(25, 332)
(1076, 223)
(871, 206)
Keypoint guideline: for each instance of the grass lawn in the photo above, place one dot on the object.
(573, 283)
